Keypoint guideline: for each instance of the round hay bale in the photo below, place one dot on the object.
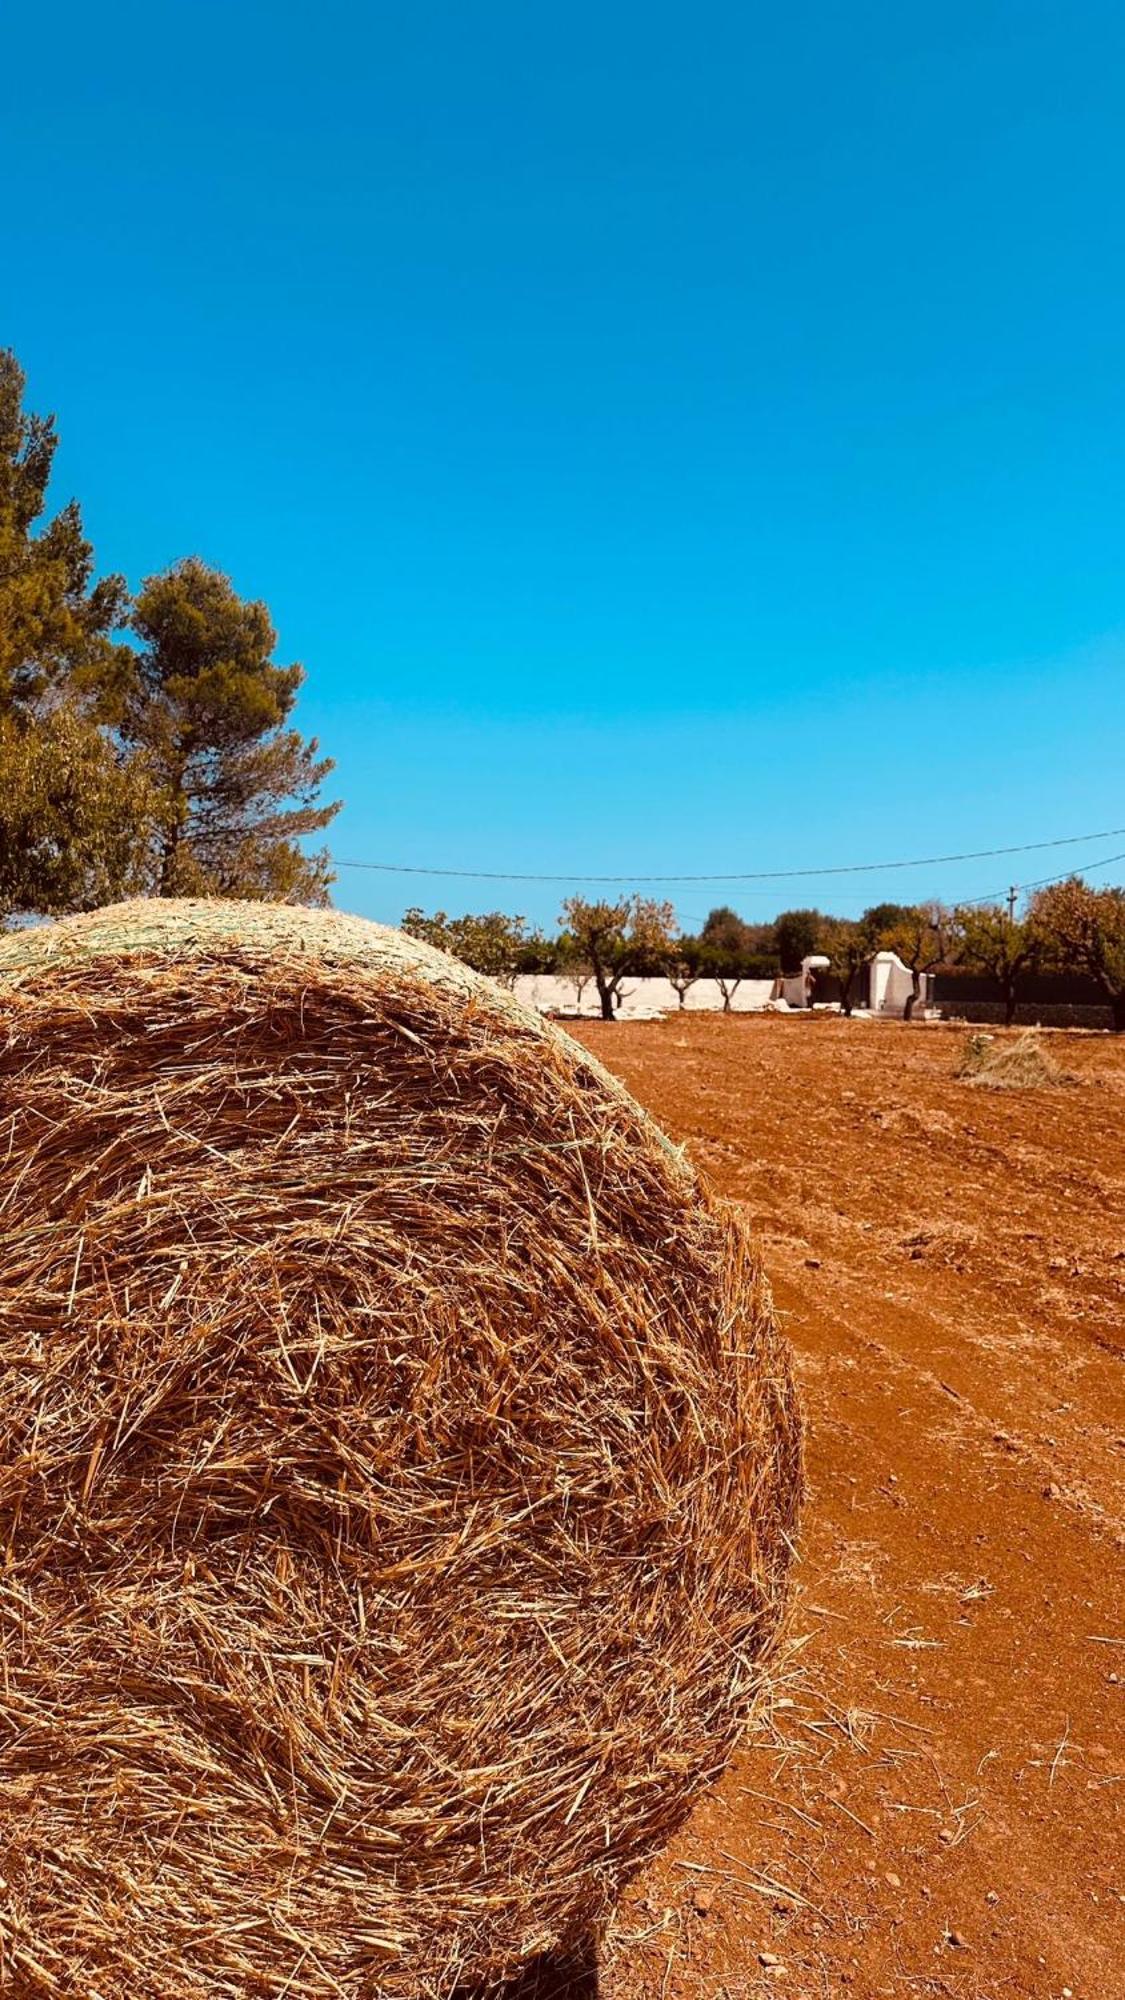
(398, 1467)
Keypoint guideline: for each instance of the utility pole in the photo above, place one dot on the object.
(1012, 894)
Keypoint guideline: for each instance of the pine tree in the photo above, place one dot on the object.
(208, 705)
(78, 815)
(55, 621)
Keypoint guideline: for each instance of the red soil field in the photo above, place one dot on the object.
(937, 1804)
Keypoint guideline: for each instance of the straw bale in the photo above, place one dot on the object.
(1019, 1064)
(398, 1467)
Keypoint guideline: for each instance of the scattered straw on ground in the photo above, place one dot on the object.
(1023, 1064)
(398, 1468)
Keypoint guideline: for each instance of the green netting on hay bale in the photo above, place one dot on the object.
(398, 1466)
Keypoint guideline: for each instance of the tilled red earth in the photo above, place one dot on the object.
(938, 1806)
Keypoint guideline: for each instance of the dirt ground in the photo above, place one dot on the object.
(938, 1803)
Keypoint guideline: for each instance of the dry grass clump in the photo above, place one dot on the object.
(1023, 1064)
(398, 1468)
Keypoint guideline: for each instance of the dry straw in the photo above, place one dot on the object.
(398, 1468)
(1022, 1064)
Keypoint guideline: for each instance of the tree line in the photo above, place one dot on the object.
(1068, 927)
(146, 746)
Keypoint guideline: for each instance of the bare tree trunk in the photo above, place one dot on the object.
(173, 831)
(169, 849)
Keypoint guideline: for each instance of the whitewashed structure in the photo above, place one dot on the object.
(798, 987)
(891, 984)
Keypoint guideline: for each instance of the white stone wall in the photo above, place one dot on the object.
(649, 999)
(642, 999)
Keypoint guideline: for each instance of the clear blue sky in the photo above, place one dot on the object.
(673, 438)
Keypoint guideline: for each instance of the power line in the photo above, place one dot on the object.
(1044, 881)
(991, 895)
(753, 875)
(1106, 861)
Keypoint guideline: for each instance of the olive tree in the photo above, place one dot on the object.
(493, 943)
(1082, 929)
(1002, 947)
(846, 943)
(630, 936)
